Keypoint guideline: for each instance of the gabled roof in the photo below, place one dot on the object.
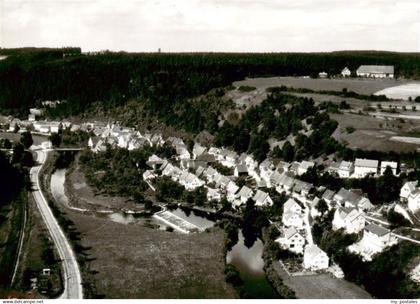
(345, 165)
(391, 164)
(376, 69)
(302, 186)
(245, 192)
(290, 232)
(242, 168)
(312, 251)
(206, 157)
(260, 196)
(198, 149)
(289, 204)
(376, 229)
(328, 194)
(347, 196)
(368, 163)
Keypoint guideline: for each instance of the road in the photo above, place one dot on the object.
(71, 272)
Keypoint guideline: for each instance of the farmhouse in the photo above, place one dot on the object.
(364, 167)
(376, 71)
(392, 165)
(346, 72)
(314, 258)
(292, 240)
(350, 219)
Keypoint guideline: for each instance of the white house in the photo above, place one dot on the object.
(322, 74)
(231, 190)
(314, 258)
(262, 198)
(292, 240)
(182, 152)
(346, 72)
(213, 194)
(376, 237)
(198, 150)
(243, 195)
(304, 166)
(363, 167)
(292, 219)
(407, 189)
(292, 206)
(375, 71)
(414, 201)
(351, 219)
(392, 165)
(345, 169)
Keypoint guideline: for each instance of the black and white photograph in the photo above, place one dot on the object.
(209, 149)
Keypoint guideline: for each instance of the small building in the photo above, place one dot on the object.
(346, 72)
(292, 240)
(314, 258)
(198, 150)
(243, 195)
(376, 237)
(262, 198)
(345, 169)
(414, 201)
(322, 74)
(363, 167)
(292, 219)
(391, 164)
(350, 219)
(304, 166)
(241, 170)
(375, 71)
(292, 206)
(407, 189)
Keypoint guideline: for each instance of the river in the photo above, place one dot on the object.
(249, 263)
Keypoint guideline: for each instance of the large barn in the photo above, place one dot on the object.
(376, 71)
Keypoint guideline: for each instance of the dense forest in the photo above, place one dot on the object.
(29, 75)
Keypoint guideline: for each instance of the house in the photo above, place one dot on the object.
(199, 171)
(243, 195)
(285, 183)
(333, 168)
(92, 142)
(322, 74)
(292, 219)
(375, 71)
(198, 150)
(294, 167)
(351, 199)
(415, 274)
(154, 161)
(213, 194)
(240, 170)
(157, 140)
(262, 198)
(363, 167)
(414, 201)
(207, 158)
(351, 219)
(182, 151)
(266, 168)
(231, 190)
(345, 169)
(190, 181)
(302, 187)
(407, 189)
(328, 196)
(304, 166)
(210, 174)
(292, 240)
(376, 237)
(228, 158)
(392, 165)
(148, 175)
(314, 258)
(292, 206)
(346, 72)
(31, 117)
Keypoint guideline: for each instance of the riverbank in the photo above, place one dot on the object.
(134, 261)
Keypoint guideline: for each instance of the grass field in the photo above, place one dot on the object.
(133, 261)
(321, 286)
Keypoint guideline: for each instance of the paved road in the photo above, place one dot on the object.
(71, 273)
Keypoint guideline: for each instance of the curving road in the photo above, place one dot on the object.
(71, 272)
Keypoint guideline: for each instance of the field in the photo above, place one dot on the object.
(13, 137)
(135, 261)
(321, 286)
(360, 86)
(402, 92)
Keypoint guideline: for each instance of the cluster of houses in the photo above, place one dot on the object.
(361, 168)
(367, 71)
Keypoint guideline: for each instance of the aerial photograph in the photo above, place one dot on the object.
(209, 149)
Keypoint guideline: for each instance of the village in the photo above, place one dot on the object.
(196, 168)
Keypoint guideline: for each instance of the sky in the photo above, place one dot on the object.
(212, 25)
